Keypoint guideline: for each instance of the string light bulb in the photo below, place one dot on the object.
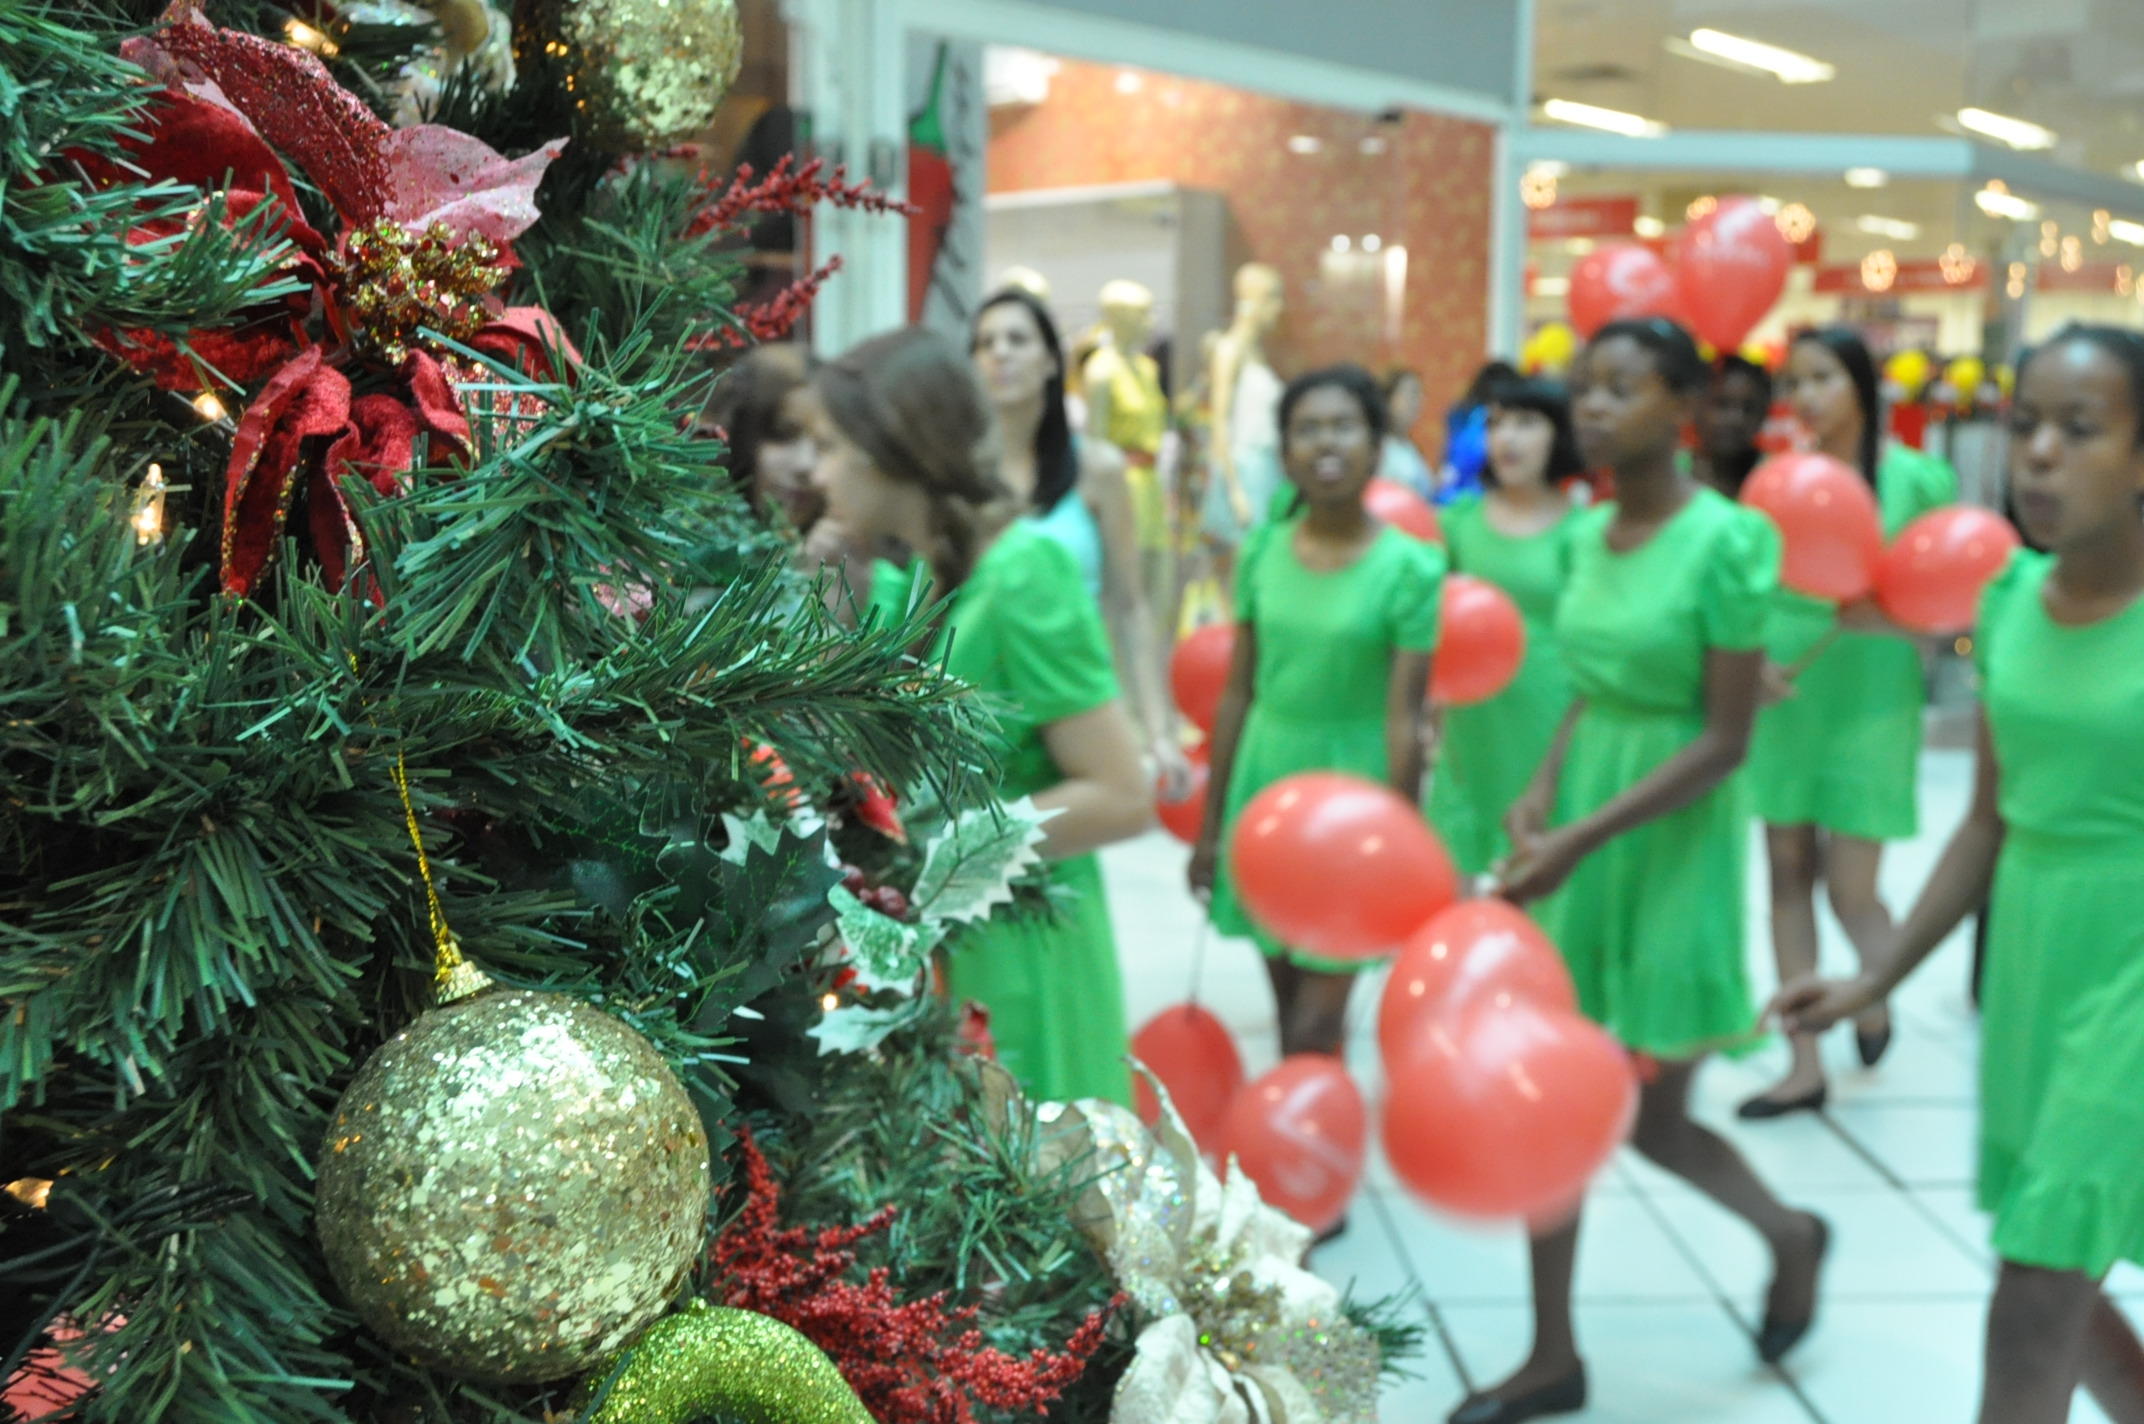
(306, 37)
(209, 408)
(32, 1192)
(148, 515)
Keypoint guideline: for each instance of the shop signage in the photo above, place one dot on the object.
(1917, 275)
(1592, 215)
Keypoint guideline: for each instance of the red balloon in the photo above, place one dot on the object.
(1194, 1056)
(1338, 866)
(1932, 576)
(1474, 952)
(1186, 818)
(1198, 672)
(1481, 640)
(1507, 1110)
(1403, 509)
(1730, 267)
(1829, 528)
(1301, 1132)
(1619, 280)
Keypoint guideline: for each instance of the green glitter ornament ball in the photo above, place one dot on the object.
(512, 1187)
(645, 73)
(711, 1362)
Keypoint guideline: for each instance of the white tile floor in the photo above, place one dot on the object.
(1668, 1285)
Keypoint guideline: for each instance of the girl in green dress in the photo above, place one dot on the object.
(1834, 765)
(1635, 828)
(907, 456)
(1516, 535)
(1336, 616)
(2056, 829)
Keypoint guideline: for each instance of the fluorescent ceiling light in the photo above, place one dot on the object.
(1552, 286)
(1593, 116)
(2136, 170)
(2127, 231)
(2001, 203)
(1304, 144)
(1866, 177)
(1649, 226)
(2018, 133)
(1896, 229)
(1785, 65)
(1557, 168)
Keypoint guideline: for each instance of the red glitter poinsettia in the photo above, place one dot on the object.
(911, 1362)
(426, 217)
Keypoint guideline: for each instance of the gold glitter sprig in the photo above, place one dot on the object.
(396, 283)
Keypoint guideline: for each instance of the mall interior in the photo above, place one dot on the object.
(1118, 711)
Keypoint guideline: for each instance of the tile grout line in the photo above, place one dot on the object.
(1429, 1304)
(1721, 1298)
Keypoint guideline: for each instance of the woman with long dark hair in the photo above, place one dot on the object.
(762, 409)
(1516, 535)
(1834, 767)
(909, 458)
(1728, 422)
(1076, 492)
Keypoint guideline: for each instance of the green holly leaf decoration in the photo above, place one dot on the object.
(970, 865)
(886, 953)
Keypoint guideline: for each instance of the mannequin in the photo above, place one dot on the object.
(1127, 408)
(1246, 433)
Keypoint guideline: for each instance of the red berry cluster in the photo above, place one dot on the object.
(885, 899)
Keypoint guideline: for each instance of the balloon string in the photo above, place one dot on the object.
(1817, 650)
(1198, 961)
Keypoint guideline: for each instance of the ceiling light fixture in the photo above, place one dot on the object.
(1552, 286)
(1703, 207)
(1957, 265)
(1537, 190)
(2072, 253)
(2129, 232)
(2017, 133)
(1305, 145)
(1371, 242)
(1897, 229)
(1548, 168)
(1998, 201)
(1786, 65)
(1342, 242)
(1130, 81)
(1578, 246)
(1649, 226)
(1593, 116)
(1795, 222)
(2135, 170)
(1866, 177)
(1879, 270)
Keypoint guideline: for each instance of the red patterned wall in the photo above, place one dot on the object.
(1428, 190)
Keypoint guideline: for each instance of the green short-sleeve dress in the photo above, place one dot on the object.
(1651, 922)
(1490, 751)
(1024, 630)
(1326, 642)
(1844, 752)
(2062, 1040)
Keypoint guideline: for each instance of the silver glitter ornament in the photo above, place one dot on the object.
(512, 1187)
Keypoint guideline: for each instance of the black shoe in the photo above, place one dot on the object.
(1873, 1046)
(1331, 1233)
(1765, 1106)
(1777, 1336)
(1565, 1396)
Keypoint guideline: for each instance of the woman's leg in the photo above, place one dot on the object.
(1851, 867)
(1671, 1139)
(1794, 856)
(1554, 1360)
(1316, 1020)
(2038, 1324)
(2114, 1363)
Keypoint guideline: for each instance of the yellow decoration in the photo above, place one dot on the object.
(646, 73)
(1549, 351)
(1909, 371)
(396, 283)
(1966, 375)
(2005, 380)
(711, 1362)
(512, 1187)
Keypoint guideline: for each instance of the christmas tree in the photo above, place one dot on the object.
(439, 818)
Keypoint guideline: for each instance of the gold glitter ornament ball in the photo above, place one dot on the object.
(711, 1362)
(512, 1187)
(645, 73)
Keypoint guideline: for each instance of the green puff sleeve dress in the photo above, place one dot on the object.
(1651, 922)
(1326, 642)
(1024, 630)
(1844, 752)
(2062, 1040)
(1489, 751)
